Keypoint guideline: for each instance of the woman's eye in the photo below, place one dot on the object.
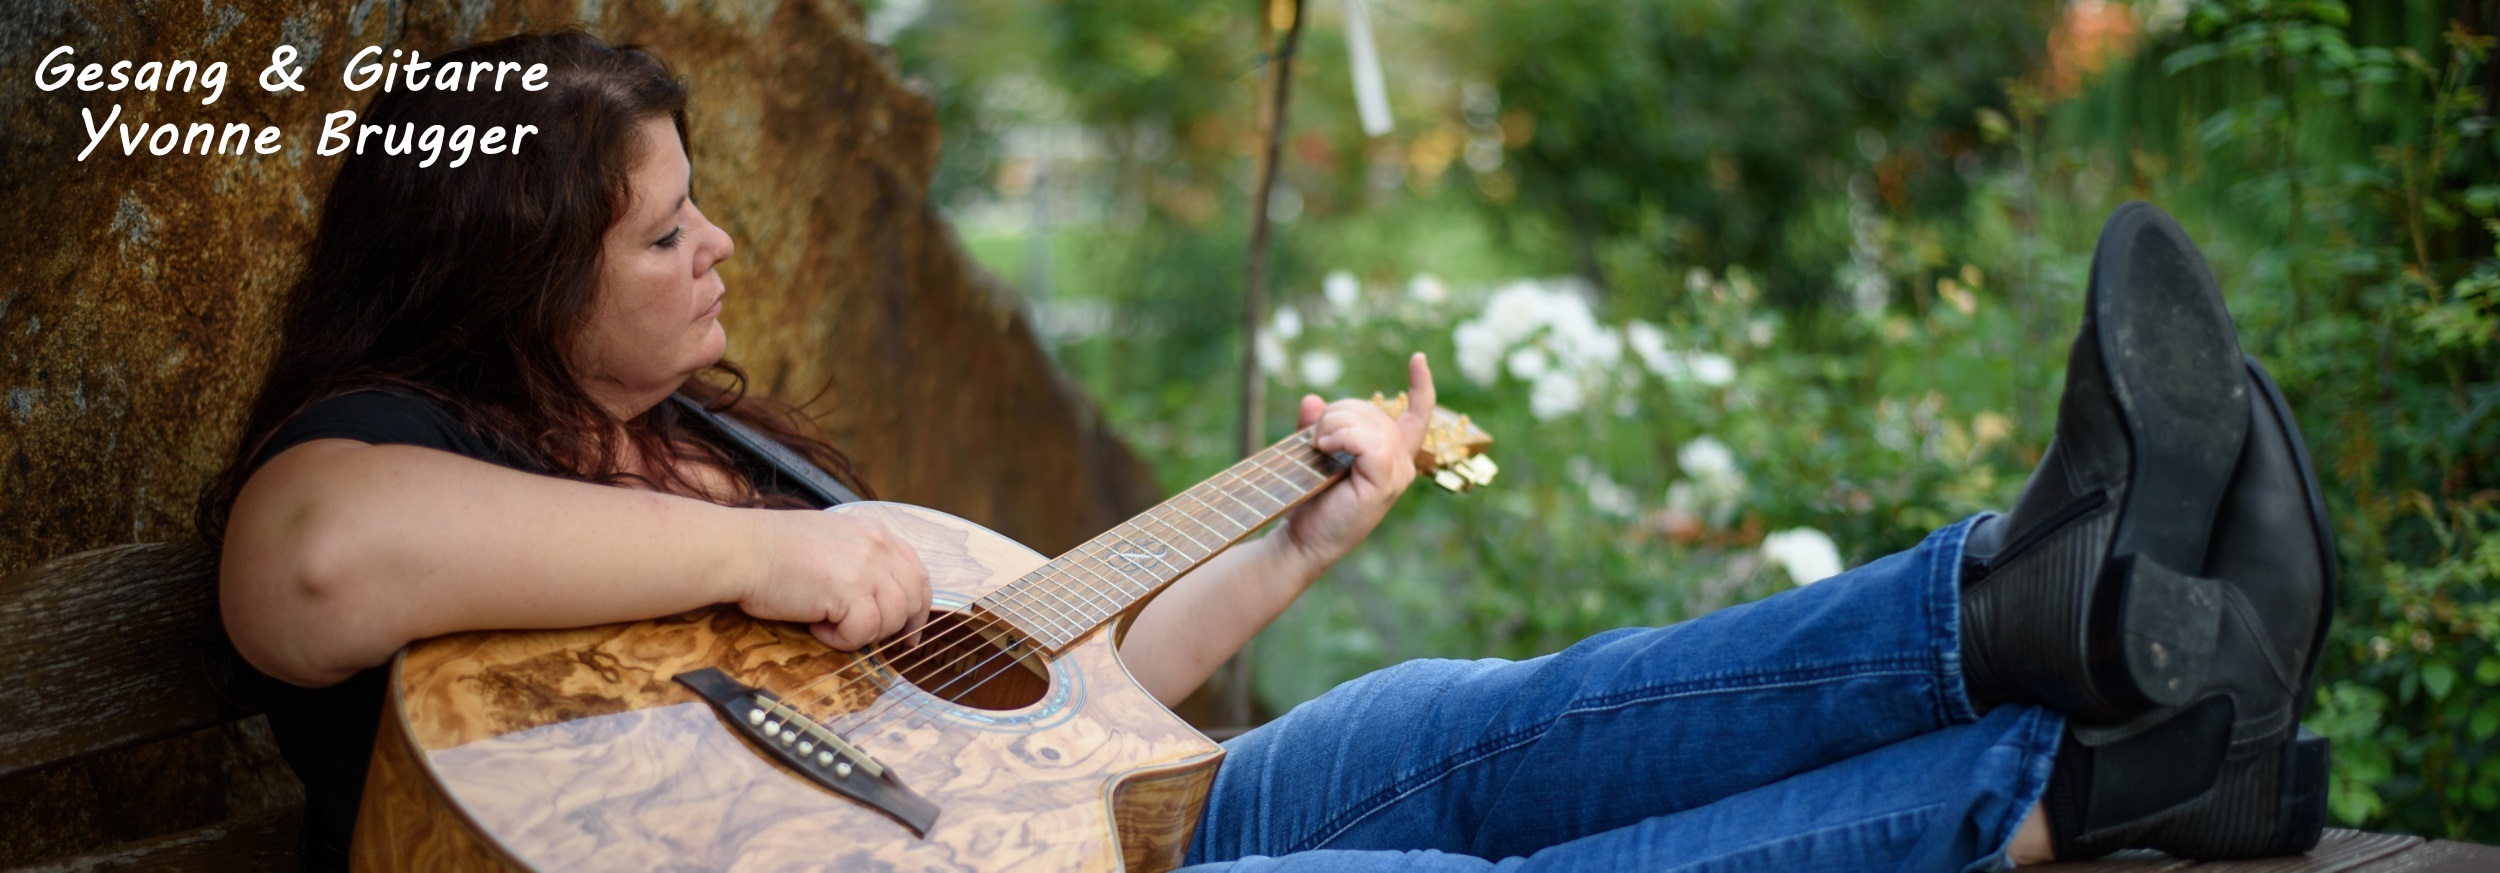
(670, 241)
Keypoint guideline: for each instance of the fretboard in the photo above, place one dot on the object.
(1081, 590)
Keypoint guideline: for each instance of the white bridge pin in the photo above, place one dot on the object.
(824, 757)
(755, 716)
(842, 769)
(807, 748)
(772, 727)
(788, 735)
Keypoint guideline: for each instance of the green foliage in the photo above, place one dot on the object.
(1874, 219)
(2346, 174)
(1696, 131)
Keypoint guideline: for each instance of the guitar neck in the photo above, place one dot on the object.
(1079, 591)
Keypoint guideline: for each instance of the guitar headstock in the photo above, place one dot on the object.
(1453, 449)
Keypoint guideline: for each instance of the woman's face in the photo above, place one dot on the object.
(655, 319)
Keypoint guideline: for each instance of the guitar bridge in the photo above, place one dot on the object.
(815, 751)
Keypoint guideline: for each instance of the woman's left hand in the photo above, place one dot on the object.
(1326, 528)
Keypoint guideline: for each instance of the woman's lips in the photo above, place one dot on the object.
(712, 311)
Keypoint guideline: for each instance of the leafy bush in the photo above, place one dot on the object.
(1818, 285)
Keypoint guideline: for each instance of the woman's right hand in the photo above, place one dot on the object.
(850, 579)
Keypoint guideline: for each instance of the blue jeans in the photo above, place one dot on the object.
(1824, 728)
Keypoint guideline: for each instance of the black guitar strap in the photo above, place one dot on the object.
(778, 460)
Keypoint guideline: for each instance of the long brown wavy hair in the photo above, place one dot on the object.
(466, 285)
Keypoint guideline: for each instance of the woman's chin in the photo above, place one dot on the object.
(714, 346)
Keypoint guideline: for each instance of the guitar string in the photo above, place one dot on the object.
(1024, 600)
(905, 707)
(974, 622)
(1029, 596)
(895, 705)
(993, 618)
(939, 691)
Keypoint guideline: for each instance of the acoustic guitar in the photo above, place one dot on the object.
(1008, 737)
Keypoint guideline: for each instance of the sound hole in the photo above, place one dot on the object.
(974, 661)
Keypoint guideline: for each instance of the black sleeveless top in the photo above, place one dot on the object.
(327, 733)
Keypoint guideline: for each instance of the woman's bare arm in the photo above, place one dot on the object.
(338, 553)
(1178, 640)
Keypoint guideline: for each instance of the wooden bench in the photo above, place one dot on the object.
(2342, 851)
(119, 747)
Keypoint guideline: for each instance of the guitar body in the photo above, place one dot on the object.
(577, 750)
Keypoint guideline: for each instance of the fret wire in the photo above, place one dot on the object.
(1058, 629)
(1226, 516)
(1095, 570)
(1119, 582)
(1202, 547)
(1150, 538)
(1076, 561)
(1193, 513)
(1043, 625)
(1030, 594)
(1093, 611)
(1295, 453)
(1236, 499)
(1301, 460)
(1281, 502)
(1119, 594)
(1073, 612)
(1258, 462)
(1299, 486)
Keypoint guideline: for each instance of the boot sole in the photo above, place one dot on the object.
(2176, 374)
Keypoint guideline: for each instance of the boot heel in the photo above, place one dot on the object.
(2171, 622)
(2301, 814)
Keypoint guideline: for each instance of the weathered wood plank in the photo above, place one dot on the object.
(2339, 851)
(2132, 861)
(2444, 856)
(267, 842)
(110, 648)
(229, 772)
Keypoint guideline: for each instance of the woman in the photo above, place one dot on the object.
(467, 426)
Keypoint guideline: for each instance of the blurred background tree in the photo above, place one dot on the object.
(1750, 290)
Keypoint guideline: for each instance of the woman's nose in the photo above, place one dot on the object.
(720, 247)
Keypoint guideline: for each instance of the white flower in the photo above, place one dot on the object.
(1650, 343)
(1706, 458)
(1611, 498)
(1427, 288)
(1808, 554)
(1760, 331)
(1479, 351)
(1341, 288)
(1529, 363)
(1321, 369)
(1516, 311)
(1696, 281)
(1554, 395)
(1287, 324)
(1710, 369)
(1271, 353)
(1580, 342)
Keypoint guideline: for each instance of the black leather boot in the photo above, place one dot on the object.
(2231, 774)
(2082, 598)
